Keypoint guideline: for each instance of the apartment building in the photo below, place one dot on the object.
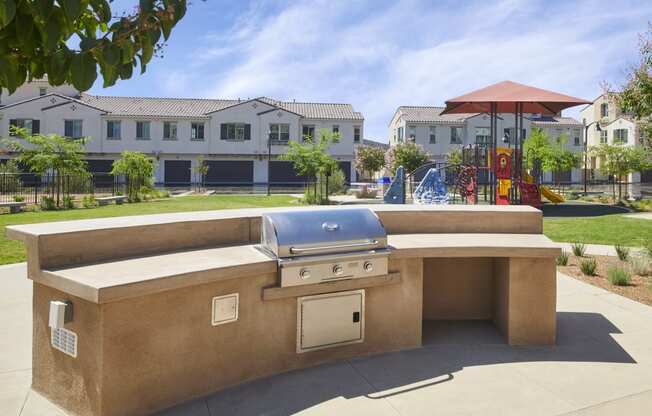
(440, 134)
(234, 137)
(616, 127)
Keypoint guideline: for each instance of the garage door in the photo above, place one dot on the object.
(646, 176)
(346, 168)
(100, 169)
(282, 172)
(229, 172)
(177, 173)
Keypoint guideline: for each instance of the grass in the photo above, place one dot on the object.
(562, 260)
(608, 229)
(13, 251)
(622, 252)
(589, 266)
(618, 276)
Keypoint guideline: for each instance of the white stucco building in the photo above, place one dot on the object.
(231, 135)
(617, 127)
(440, 134)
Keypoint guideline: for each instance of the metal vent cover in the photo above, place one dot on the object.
(65, 341)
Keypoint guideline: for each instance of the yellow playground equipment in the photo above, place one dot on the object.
(546, 192)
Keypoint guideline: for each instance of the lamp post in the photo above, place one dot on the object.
(269, 161)
(586, 148)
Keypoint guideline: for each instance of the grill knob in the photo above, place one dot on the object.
(368, 266)
(304, 274)
(337, 269)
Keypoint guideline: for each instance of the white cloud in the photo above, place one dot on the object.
(378, 57)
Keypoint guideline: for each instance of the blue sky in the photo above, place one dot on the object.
(380, 54)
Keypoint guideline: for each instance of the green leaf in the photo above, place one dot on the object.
(166, 27)
(24, 31)
(102, 9)
(58, 65)
(87, 43)
(72, 8)
(42, 8)
(127, 52)
(51, 34)
(147, 47)
(126, 70)
(7, 12)
(111, 54)
(83, 71)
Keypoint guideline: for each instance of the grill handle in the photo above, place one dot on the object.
(297, 250)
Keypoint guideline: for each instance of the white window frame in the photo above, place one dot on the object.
(277, 131)
(194, 131)
(75, 122)
(112, 123)
(412, 132)
(457, 137)
(604, 113)
(42, 91)
(357, 134)
(604, 136)
(620, 140)
(432, 134)
(144, 136)
(486, 135)
(310, 127)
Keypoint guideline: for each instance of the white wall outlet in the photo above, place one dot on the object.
(225, 309)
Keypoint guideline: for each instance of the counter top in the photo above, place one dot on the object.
(111, 281)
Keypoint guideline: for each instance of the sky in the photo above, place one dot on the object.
(378, 55)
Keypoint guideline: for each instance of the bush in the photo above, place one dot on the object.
(640, 265)
(589, 266)
(47, 203)
(562, 260)
(579, 249)
(88, 201)
(68, 202)
(622, 252)
(19, 198)
(337, 183)
(647, 249)
(618, 276)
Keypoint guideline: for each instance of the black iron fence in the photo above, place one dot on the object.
(31, 188)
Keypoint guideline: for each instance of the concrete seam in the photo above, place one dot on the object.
(371, 385)
(604, 402)
(20, 412)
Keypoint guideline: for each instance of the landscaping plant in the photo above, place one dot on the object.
(579, 249)
(138, 169)
(562, 260)
(47, 203)
(589, 266)
(88, 201)
(641, 264)
(19, 198)
(622, 252)
(68, 202)
(618, 276)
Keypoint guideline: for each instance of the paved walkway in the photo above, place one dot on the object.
(602, 365)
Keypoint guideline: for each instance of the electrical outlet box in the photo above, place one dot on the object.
(225, 309)
(60, 313)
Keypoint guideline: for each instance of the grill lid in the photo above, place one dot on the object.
(314, 232)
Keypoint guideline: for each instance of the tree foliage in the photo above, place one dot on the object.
(617, 161)
(409, 155)
(37, 38)
(559, 159)
(369, 159)
(138, 168)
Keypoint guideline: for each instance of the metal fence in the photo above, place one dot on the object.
(31, 188)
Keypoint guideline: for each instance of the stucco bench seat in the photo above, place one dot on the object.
(14, 207)
(105, 200)
(110, 281)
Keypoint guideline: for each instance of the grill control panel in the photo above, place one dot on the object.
(305, 274)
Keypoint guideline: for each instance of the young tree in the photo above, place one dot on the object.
(409, 155)
(617, 161)
(369, 159)
(535, 150)
(52, 154)
(138, 169)
(201, 169)
(68, 39)
(311, 159)
(558, 159)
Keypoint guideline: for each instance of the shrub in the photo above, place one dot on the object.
(579, 249)
(88, 201)
(622, 252)
(562, 260)
(47, 203)
(589, 266)
(19, 198)
(618, 276)
(647, 249)
(640, 264)
(337, 183)
(68, 202)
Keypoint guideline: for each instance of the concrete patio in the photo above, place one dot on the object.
(602, 365)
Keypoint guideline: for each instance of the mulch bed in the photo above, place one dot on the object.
(639, 289)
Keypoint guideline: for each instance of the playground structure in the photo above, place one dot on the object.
(498, 170)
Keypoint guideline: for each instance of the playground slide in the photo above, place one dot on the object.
(551, 196)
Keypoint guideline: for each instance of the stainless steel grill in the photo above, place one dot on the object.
(316, 246)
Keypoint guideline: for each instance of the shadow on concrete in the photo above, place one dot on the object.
(579, 209)
(448, 348)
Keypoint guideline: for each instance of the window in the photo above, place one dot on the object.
(32, 126)
(113, 130)
(308, 132)
(142, 130)
(336, 129)
(456, 135)
(577, 137)
(482, 135)
(73, 129)
(412, 132)
(433, 134)
(603, 136)
(356, 134)
(169, 130)
(197, 131)
(279, 132)
(400, 134)
(620, 136)
(559, 132)
(604, 110)
(234, 131)
(42, 91)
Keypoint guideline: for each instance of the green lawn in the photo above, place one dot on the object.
(14, 251)
(607, 229)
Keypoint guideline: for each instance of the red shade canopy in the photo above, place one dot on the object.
(506, 94)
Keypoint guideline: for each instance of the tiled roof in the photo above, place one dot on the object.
(549, 121)
(194, 107)
(417, 114)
